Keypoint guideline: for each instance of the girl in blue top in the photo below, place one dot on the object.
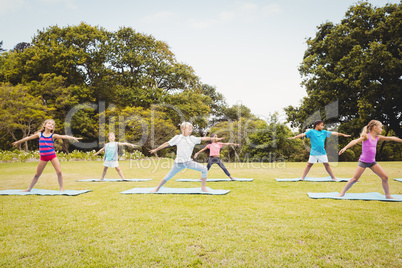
(317, 138)
(111, 155)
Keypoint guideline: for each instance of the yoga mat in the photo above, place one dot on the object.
(356, 196)
(398, 180)
(324, 179)
(44, 192)
(214, 180)
(166, 190)
(113, 180)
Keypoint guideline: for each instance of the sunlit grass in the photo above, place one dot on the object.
(258, 224)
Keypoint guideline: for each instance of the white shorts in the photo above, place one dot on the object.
(318, 158)
(111, 163)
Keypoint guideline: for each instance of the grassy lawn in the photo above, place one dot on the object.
(263, 223)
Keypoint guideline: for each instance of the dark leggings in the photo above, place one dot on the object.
(216, 160)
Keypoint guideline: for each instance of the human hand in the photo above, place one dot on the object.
(342, 151)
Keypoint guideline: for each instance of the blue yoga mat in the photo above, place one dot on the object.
(44, 192)
(356, 196)
(166, 190)
(398, 180)
(324, 179)
(215, 180)
(114, 180)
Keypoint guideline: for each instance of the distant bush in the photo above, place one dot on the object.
(76, 155)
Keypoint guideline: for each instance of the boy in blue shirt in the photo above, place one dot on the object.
(318, 154)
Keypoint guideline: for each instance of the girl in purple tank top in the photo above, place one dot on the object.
(47, 153)
(369, 138)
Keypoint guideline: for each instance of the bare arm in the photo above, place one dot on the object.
(98, 152)
(298, 136)
(65, 137)
(385, 138)
(229, 143)
(32, 137)
(127, 144)
(200, 151)
(210, 139)
(352, 143)
(166, 144)
(340, 134)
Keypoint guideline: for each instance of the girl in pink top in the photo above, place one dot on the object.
(214, 152)
(369, 138)
(47, 153)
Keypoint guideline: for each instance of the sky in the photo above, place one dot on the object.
(249, 50)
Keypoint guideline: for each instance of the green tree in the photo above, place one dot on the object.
(21, 114)
(357, 63)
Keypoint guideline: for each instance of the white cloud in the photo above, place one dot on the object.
(202, 24)
(227, 15)
(159, 17)
(271, 9)
(11, 5)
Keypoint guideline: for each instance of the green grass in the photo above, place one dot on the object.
(259, 224)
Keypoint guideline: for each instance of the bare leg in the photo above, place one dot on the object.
(306, 170)
(329, 170)
(56, 165)
(377, 169)
(120, 173)
(159, 186)
(359, 171)
(104, 173)
(39, 170)
(204, 185)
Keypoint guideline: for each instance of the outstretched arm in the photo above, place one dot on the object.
(352, 143)
(340, 134)
(230, 143)
(32, 137)
(385, 138)
(200, 151)
(65, 137)
(127, 144)
(166, 144)
(210, 139)
(98, 152)
(298, 136)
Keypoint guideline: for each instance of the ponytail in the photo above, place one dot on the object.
(369, 127)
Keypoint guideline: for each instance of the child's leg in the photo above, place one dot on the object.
(39, 170)
(104, 173)
(210, 162)
(329, 170)
(306, 170)
(377, 169)
(56, 165)
(204, 172)
(222, 166)
(359, 171)
(173, 171)
(120, 173)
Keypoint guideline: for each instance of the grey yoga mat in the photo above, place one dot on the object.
(167, 190)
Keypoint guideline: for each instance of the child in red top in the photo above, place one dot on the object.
(214, 152)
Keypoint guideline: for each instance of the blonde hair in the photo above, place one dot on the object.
(185, 125)
(369, 127)
(110, 133)
(44, 123)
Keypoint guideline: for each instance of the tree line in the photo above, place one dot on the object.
(92, 81)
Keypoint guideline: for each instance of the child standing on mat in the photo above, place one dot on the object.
(214, 153)
(111, 158)
(185, 144)
(318, 154)
(47, 153)
(369, 138)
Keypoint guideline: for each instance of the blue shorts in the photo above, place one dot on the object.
(189, 164)
(366, 165)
